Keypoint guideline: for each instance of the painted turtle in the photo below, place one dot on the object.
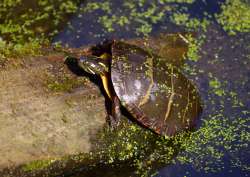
(152, 90)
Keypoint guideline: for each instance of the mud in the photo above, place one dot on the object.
(39, 123)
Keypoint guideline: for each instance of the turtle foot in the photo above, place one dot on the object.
(113, 122)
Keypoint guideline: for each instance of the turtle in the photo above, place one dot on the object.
(156, 93)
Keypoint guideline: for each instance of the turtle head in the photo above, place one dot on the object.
(94, 64)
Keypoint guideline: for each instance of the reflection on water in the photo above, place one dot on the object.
(221, 74)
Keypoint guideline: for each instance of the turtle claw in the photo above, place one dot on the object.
(114, 116)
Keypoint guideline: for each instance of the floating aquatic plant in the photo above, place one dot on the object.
(235, 16)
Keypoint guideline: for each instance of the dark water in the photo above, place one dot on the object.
(84, 28)
(223, 57)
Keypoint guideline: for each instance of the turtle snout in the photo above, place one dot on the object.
(70, 60)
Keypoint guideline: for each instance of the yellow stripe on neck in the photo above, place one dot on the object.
(104, 77)
(105, 83)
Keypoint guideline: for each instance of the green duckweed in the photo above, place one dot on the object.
(26, 26)
(235, 16)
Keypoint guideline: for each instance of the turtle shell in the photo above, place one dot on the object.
(154, 91)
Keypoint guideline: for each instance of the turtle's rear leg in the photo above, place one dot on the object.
(114, 115)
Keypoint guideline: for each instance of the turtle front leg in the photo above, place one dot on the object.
(114, 116)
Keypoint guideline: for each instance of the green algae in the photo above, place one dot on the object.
(26, 26)
(197, 148)
(130, 15)
(11, 50)
(23, 21)
(235, 16)
(194, 46)
(37, 165)
(216, 87)
(142, 148)
(191, 24)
